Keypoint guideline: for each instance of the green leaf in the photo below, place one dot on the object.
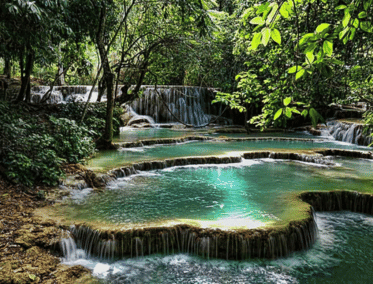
(257, 21)
(341, 7)
(328, 47)
(284, 12)
(32, 276)
(305, 38)
(304, 113)
(262, 8)
(342, 33)
(362, 15)
(310, 57)
(346, 20)
(355, 23)
(299, 74)
(256, 41)
(288, 112)
(266, 33)
(353, 31)
(277, 115)
(294, 110)
(276, 36)
(322, 27)
(287, 101)
(315, 116)
(294, 69)
(272, 14)
(310, 48)
(366, 26)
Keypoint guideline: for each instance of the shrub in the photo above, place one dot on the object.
(32, 148)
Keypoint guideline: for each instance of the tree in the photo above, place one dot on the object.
(304, 50)
(30, 30)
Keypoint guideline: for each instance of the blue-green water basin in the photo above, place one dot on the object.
(132, 134)
(105, 160)
(250, 194)
(343, 253)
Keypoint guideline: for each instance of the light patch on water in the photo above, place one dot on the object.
(243, 163)
(79, 196)
(132, 149)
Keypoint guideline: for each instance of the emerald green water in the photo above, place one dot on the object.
(133, 134)
(255, 191)
(106, 160)
(241, 193)
(343, 253)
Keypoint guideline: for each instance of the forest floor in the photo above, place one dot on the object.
(26, 243)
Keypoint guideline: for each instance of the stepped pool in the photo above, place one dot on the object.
(247, 195)
(105, 160)
(251, 193)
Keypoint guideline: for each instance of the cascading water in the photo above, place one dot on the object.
(347, 132)
(168, 104)
(64, 94)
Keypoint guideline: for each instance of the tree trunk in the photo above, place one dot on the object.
(108, 78)
(7, 68)
(108, 135)
(101, 89)
(25, 81)
(61, 78)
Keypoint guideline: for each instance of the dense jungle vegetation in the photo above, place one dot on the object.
(272, 60)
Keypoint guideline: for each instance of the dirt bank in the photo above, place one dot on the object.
(28, 246)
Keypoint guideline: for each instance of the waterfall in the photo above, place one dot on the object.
(191, 105)
(206, 242)
(347, 132)
(64, 94)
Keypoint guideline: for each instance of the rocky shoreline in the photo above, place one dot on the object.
(29, 246)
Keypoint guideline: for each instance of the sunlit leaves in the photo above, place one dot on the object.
(276, 36)
(362, 15)
(266, 33)
(310, 57)
(328, 47)
(341, 7)
(299, 74)
(257, 21)
(294, 69)
(320, 28)
(287, 101)
(278, 114)
(366, 26)
(346, 20)
(256, 41)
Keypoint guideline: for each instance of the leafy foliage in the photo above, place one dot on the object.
(33, 148)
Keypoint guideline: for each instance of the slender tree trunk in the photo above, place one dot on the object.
(61, 79)
(108, 78)
(101, 89)
(28, 92)
(7, 67)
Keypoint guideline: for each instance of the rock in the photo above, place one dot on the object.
(72, 274)
(141, 125)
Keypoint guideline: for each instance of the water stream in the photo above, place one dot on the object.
(343, 253)
(254, 192)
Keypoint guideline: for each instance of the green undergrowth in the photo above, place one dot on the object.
(35, 143)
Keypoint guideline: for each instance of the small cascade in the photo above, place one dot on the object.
(169, 104)
(136, 119)
(340, 200)
(70, 250)
(64, 94)
(205, 242)
(347, 132)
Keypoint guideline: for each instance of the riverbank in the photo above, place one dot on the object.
(29, 246)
